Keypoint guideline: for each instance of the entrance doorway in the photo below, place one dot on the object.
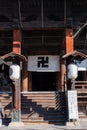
(43, 81)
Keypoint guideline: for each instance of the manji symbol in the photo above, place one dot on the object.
(43, 62)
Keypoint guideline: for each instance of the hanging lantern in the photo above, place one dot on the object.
(72, 71)
(14, 72)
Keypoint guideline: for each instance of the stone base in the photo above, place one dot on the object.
(76, 123)
(16, 124)
(83, 122)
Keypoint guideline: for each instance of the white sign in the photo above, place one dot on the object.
(82, 66)
(43, 63)
(72, 104)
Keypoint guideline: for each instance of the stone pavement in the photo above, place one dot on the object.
(43, 127)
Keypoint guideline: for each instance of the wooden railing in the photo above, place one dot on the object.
(80, 85)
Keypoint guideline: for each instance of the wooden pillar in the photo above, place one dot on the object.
(69, 40)
(68, 48)
(63, 72)
(17, 49)
(17, 41)
(16, 111)
(25, 77)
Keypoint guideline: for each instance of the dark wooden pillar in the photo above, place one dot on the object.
(17, 49)
(63, 73)
(69, 41)
(24, 77)
(69, 47)
(16, 111)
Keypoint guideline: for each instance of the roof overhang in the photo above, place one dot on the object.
(12, 55)
(75, 54)
(3, 62)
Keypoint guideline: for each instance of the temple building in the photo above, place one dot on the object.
(39, 39)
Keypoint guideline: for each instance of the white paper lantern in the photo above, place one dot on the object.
(14, 72)
(72, 71)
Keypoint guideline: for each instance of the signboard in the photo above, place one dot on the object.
(82, 66)
(72, 104)
(43, 63)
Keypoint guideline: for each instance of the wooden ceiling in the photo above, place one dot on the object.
(52, 13)
(33, 15)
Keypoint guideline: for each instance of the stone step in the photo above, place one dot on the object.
(47, 116)
(82, 97)
(49, 107)
(46, 104)
(38, 97)
(80, 91)
(44, 122)
(40, 94)
(38, 100)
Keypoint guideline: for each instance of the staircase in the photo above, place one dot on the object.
(81, 87)
(6, 100)
(44, 107)
(82, 103)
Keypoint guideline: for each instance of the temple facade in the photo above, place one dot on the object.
(42, 37)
